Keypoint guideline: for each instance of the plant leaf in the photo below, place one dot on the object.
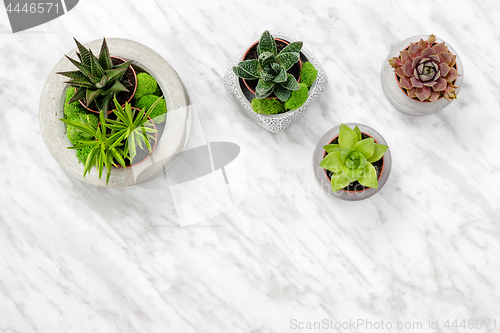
(266, 44)
(266, 59)
(290, 83)
(292, 47)
(83, 68)
(333, 162)
(72, 74)
(378, 153)
(365, 147)
(250, 69)
(239, 72)
(95, 66)
(281, 92)
(358, 132)
(347, 137)
(79, 94)
(331, 148)
(264, 89)
(339, 181)
(369, 176)
(288, 59)
(84, 54)
(104, 57)
(115, 88)
(282, 76)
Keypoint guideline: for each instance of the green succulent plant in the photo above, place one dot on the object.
(271, 68)
(96, 79)
(351, 159)
(134, 127)
(104, 147)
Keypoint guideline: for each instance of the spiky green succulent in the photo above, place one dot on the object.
(271, 68)
(351, 159)
(97, 79)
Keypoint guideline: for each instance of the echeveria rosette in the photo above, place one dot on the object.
(271, 68)
(426, 70)
(351, 159)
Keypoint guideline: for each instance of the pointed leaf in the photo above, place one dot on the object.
(104, 57)
(292, 47)
(84, 54)
(72, 74)
(83, 68)
(91, 95)
(339, 181)
(264, 88)
(333, 162)
(282, 76)
(281, 92)
(266, 59)
(79, 94)
(266, 44)
(290, 83)
(347, 137)
(332, 148)
(365, 147)
(95, 66)
(288, 59)
(115, 88)
(369, 176)
(358, 132)
(251, 67)
(378, 152)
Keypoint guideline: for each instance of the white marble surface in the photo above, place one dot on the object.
(75, 258)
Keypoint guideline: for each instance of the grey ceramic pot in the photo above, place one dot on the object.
(171, 143)
(324, 181)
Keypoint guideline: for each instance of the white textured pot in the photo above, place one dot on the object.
(274, 123)
(398, 98)
(171, 143)
(325, 182)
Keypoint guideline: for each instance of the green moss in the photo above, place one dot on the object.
(297, 98)
(308, 74)
(75, 108)
(146, 85)
(158, 91)
(159, 113)
(75, 135)
(267, 106)
(82, 154)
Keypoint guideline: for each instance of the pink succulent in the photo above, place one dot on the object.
(426, 70)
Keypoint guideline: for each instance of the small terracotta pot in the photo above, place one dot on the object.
(152, 149)
(366, 188)
(248, 50)
(133, 93)
(406, 93)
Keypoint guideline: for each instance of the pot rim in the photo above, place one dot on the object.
(133, 93)
(366, 188)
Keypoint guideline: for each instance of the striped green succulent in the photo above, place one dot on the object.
(271, 68)
(97, 79)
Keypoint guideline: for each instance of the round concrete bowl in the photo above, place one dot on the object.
(171, 143)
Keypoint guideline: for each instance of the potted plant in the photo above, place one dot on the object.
(420, 76)
(98, 79)
(155, 78)
(275, 80)
(352, 162)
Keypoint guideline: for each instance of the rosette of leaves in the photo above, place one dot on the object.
(134, 127)
(351, 159)
(271, 68)
(96, 79)
(105, 148)
(426, 70)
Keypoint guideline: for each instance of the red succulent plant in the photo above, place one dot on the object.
(427, 70)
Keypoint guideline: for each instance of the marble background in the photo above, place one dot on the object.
(75, 258)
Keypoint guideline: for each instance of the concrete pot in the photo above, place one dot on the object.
(171, 143)
(275, 123)
(325, 182)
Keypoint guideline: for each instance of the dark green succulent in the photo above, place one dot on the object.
(96, 79)
(271, 68)
(351, 159)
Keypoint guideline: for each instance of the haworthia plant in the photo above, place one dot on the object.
(351, 159)
(271, 68)
(96, 79)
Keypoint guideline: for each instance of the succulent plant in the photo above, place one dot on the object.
(426, 70)
(271, 68)
(96, 79)
(351, 159)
